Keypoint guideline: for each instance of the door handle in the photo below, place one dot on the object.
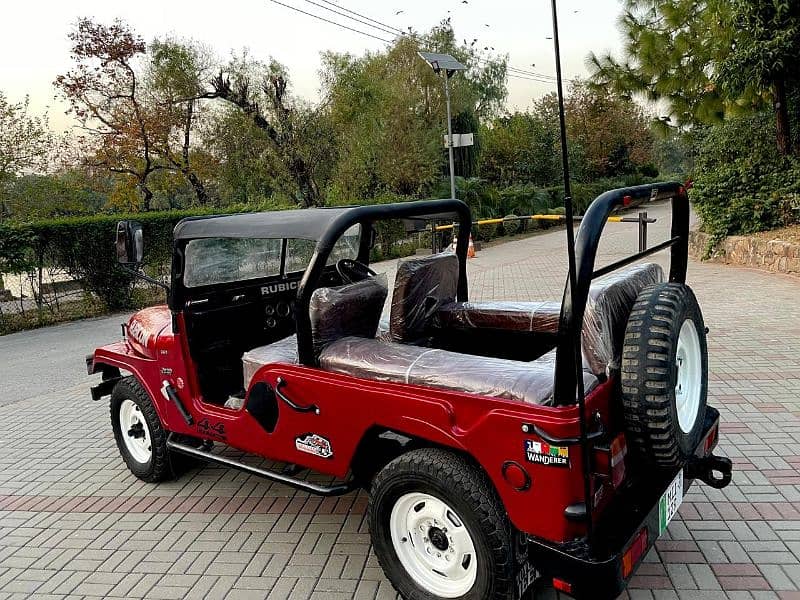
(281, 383)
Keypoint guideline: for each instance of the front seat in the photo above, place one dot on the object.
(423, 286)
(351, 310)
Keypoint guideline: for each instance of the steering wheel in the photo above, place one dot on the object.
(352, 271)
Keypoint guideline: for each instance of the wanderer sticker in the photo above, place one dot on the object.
(311, 443)
(545, 454)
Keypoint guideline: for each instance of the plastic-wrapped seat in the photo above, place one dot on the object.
(530, 382)
(534, 317)
(422, 286)
(282, 351)
(610, 301)
(353, 309)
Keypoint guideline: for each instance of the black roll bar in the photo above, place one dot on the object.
(586, 243)
(366, 215)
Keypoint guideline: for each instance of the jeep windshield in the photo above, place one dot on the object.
(213, 261)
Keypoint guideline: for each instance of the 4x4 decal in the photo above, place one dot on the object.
(216, 430)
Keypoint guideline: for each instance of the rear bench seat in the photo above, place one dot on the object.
(610, 301)
(530, 382)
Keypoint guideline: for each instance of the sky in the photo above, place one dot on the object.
(34, 47)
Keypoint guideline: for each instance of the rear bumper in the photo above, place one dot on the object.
(596, 572)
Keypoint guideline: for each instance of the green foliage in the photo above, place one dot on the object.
(25, 140)
(388, 112)
(742, 185)
(764, 56)
(767, 44)
(608, 136)
(14, 249)
(672, 53)
(521, 148)
(35, 197)
(673, 153)
(84, 247)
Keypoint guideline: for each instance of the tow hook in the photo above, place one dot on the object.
(714, 471)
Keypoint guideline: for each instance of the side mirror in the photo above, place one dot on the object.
(130, 243)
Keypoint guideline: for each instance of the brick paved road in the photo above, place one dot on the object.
(75, 523)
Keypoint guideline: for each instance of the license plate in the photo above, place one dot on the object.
(669, 503)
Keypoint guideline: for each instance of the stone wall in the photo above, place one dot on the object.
(775, 255)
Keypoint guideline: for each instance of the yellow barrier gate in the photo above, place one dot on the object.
(642, 219)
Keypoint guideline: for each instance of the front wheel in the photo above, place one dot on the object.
(439, 530)
(141, 439)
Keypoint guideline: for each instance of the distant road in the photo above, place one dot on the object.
(52, 358)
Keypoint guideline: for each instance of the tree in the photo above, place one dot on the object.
(613, 132)
(521, 148)
(388, 109)
(672, 54)
(297, 131)
(24, 140)
(25, 143)
(105, 94)
(608, 136)
(34, 197)
(177, 78)
(765, 55)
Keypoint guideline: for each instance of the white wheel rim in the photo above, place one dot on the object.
(433, 545)
(134, 430)
(689, 359)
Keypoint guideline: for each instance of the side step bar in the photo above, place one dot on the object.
(313, 488)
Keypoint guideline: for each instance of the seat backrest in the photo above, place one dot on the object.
(353, 309)
(611, 299)
(423, 285)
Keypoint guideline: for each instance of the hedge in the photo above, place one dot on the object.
(741, 184)
(84, 247)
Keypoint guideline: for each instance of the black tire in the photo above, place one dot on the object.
(650, 374)
(462, 486)
(158, 467)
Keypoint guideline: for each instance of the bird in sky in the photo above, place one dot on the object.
(399, 12)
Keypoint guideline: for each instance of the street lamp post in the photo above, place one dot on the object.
(450, 135)
(448, 64)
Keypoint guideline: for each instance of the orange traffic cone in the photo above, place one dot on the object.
(471, 248)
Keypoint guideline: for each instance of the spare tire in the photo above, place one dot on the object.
(664, 375)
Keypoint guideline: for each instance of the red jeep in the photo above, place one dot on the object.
(556, 449)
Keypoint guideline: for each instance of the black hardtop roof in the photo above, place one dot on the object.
(307, 223)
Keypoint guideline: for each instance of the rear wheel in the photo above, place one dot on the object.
(665, 374)
(439, 530)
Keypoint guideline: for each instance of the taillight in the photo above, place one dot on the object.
(619, 449)
(634, 554)
(562, 586)
(711, 439)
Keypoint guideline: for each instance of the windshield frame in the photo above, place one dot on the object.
(287, 259)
